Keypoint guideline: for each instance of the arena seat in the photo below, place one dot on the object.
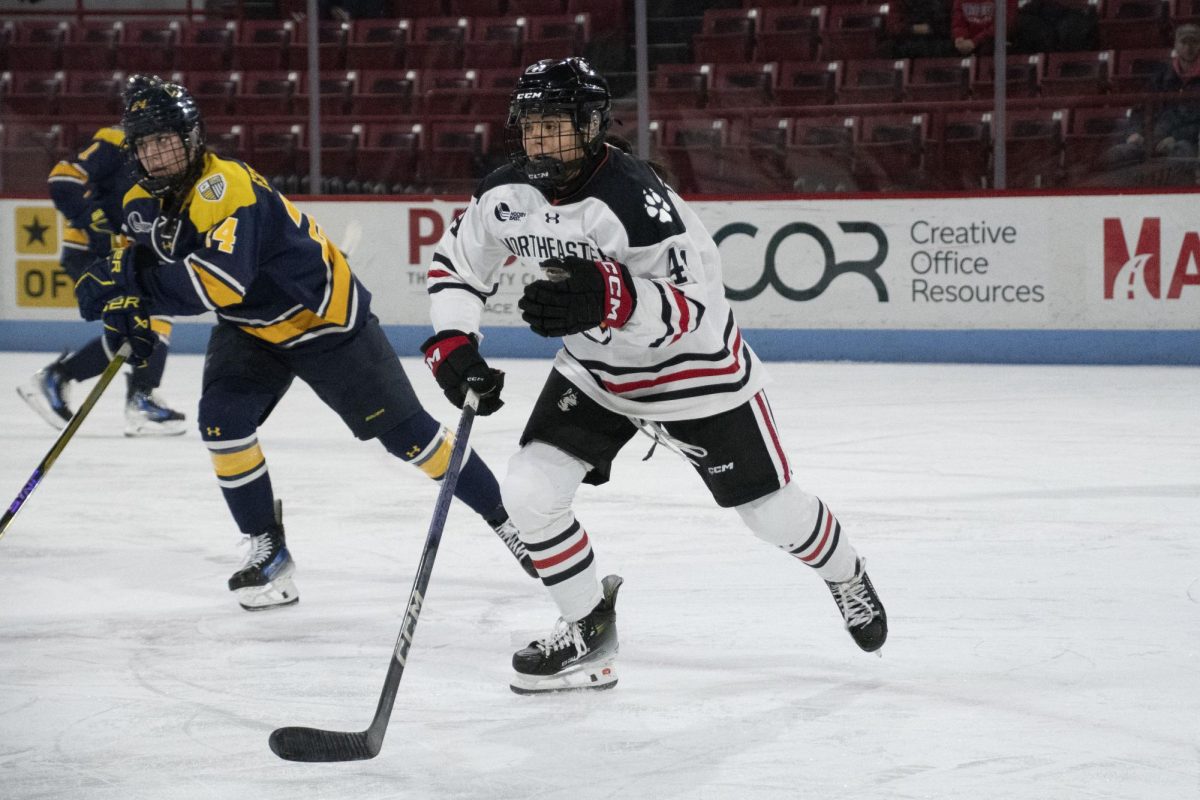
(264, 45)
(1077, 73)
(808, 83)
(1024, 76)
(962, 145)
(93, 45)
(1034, 147)
(378, 44)
(207, 46)
(940, 79)
(680, 86)
(438, 43)
(496, 43)
(742, 85)
(149, 46)
(385, 92)
(1136, 23)
(790, 33)
(890, 153)
(854, 31)
(726, 35)
(37, 45)
(873, 80)
(1135, 68)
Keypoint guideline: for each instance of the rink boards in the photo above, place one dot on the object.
(1083, 278)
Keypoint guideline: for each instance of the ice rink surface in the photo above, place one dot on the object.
(1033, 532)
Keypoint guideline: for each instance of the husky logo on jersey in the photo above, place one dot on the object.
(568, 400)
(137, 224)
(657, 206)
(505, 214)
(212, 189)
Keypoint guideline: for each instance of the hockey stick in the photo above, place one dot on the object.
(314, 744)
(60, 443)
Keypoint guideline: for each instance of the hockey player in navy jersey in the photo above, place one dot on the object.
(211, 234)
(88, 193)
(633, 286)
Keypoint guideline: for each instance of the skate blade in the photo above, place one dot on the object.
(585, 678)
(37, 402)
(176, 427)
(278, 593)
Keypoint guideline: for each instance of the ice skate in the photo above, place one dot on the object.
(507, 532)
(46, 393)
(864, 615)
(147, 415)
(577, 655)
(265, 579)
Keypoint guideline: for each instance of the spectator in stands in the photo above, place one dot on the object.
(973, 24)
(1177, 126)
(924, 30)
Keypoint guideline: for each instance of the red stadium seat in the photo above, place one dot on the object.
(556, 37)
(856, 31)
(267, 93)
(337, 91)
(38, 45)
(938, 79)
(1136, 23)
(446, 91)
(215, 92)
(890, 155)
(391, 156)
(694, 150)
(34, 93)
(457, 153)
(438, 43)
(726, 35)
(680, 86)
(472, 8)
(820, 153)
(149, 46)
(808, 83)
(490, 99)
(264, 45)
(93, 94)
(207, 46)
(333, 42)
(1136, 68)
(790, 34)
(1093, 134)
(533, 8)
(378, 44)
(275, 148)
(419, 9)
(93, 46)
(607, 16)
(385, 92)
(742, 85)
(227, 140)
(874, 81)
(496, 43)
(1077, 73)
(962, 143)
(1025, 74)
(1034, 147)
(340, 143)
(27, 154)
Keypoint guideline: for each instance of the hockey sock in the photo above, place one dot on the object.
(229, 415)
(423, 442)
(538, 491)
(86, 362)
(802, 525)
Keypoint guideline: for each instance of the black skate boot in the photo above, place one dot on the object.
(265, 579)
(507, 532)
(46, 393)
(577, 655)
(146, 414)
(860, 607)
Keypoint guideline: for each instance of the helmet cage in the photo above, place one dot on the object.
(154, 107)
(582, 97)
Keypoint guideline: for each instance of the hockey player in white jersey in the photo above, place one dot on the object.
(634, 289)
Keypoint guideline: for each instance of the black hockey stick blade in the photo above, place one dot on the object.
(313, 744)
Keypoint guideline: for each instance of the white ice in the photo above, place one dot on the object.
(1032, 531)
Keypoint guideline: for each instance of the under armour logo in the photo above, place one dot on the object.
(568, 400)
(214, 432)
(551, 217)
(413, 451)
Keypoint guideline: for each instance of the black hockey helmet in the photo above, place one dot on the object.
(567, 86)
(154, 107)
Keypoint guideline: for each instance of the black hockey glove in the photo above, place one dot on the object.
(453, 358)
(126, 319)
(117, 274)
(577, 295)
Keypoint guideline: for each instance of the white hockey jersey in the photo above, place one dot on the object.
(680, 355)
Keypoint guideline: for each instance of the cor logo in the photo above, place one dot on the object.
(1130, 274)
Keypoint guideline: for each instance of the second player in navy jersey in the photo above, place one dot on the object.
(88, 192)
(210, 234)
(633, 286)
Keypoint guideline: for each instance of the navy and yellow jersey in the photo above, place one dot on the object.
(241, 249)
(99, 177)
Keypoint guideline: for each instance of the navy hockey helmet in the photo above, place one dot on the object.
(553, 87)
(154, 107)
